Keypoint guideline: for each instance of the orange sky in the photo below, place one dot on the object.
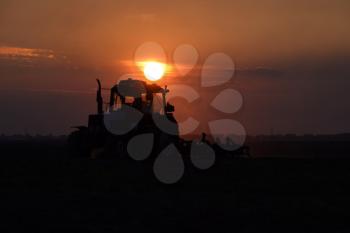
(101, 32)
(53, 46)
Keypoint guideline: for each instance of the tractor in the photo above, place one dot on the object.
(134, 108)
(131, 111)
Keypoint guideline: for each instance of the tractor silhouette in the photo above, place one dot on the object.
(132, 110)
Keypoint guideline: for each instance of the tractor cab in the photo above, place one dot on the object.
(139, 95)
(110, 129)
(149, 101)
(146, 98)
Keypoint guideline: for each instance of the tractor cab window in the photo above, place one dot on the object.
(140, 103)
(129, 100)
(157, 104)
(143, 104)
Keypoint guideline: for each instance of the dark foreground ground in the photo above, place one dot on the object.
(43, 190)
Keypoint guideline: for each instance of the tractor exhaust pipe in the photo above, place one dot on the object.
(99, 98)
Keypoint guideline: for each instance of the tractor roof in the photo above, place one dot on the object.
(135, 88)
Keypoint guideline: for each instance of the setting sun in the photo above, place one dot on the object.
(154, 71)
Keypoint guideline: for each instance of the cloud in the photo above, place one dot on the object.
(18, 53)
(49, 91)
(12, 56)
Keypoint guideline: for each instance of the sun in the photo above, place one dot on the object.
(154, 71)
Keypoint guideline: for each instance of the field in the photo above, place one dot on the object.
(44, 190)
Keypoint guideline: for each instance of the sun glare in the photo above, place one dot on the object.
(154, 71)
